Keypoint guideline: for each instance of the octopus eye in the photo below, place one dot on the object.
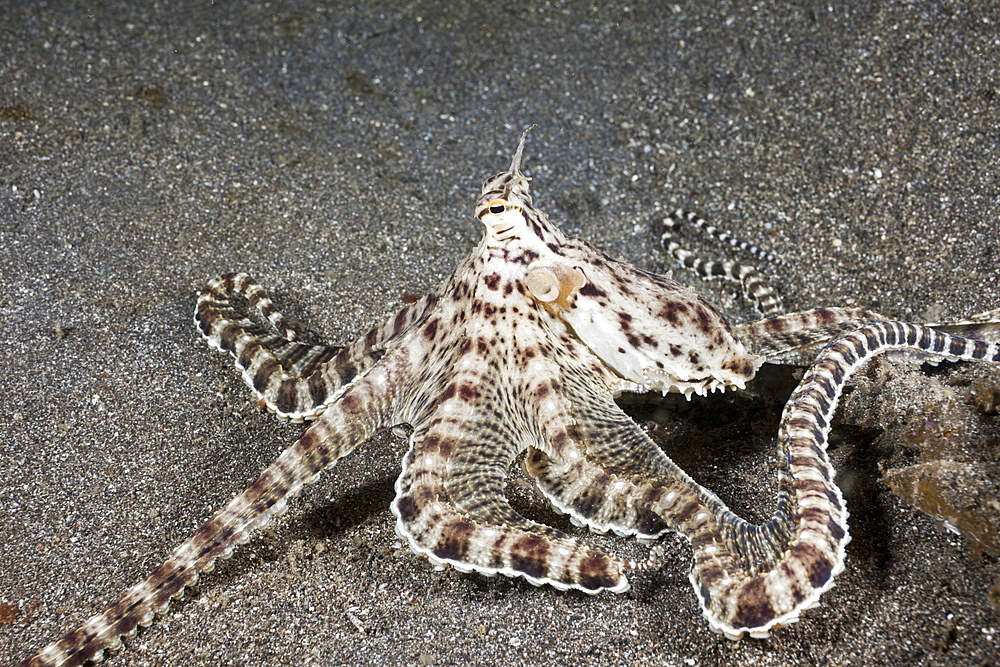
(497, 209)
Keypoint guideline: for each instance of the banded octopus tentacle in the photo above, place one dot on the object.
(472, 528)
(749, 578)
(797, 338)
(809, 527)
(984, 326)
(777, 338)
(680, 215)
(348, 422)
(294, 380)
(762, 295)
(608, 469)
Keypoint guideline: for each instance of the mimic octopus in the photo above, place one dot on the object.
(522, 350)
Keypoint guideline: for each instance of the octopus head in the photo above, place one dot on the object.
(655, 334)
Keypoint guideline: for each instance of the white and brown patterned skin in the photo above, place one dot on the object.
(522, 349)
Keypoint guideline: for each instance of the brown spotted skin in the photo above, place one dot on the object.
(522, 351)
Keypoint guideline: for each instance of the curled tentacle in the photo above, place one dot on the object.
(294, 380)
(463, 520)
(749, 578)
(809, 528)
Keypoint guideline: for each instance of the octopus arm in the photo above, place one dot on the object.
(355, 417)
(796, 339)
(450, 507)
(296, 381)
(749, 578)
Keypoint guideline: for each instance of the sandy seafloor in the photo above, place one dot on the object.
(336, 153)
